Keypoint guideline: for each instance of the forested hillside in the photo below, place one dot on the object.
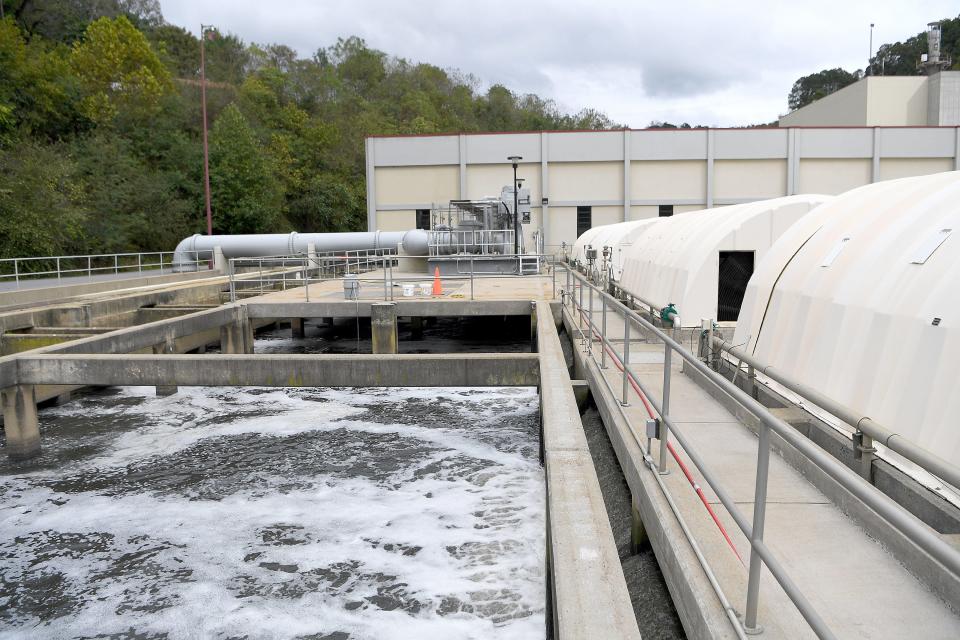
(897, 59)
(100, 127)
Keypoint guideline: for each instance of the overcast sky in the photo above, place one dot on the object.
(720, 63)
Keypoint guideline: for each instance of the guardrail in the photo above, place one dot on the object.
(268, 274)
(61, 267)
(478, 242)
(866, 430)
(760, 554)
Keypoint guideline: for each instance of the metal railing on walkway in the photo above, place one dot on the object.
(479, 241)
(262, 275)
(866, 430)
(760, 555)
(65, 267)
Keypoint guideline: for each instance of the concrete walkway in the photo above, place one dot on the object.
(860, 589)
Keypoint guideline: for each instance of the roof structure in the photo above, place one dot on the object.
(676, 261)
(859, 300)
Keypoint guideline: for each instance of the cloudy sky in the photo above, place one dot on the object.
(713, 63)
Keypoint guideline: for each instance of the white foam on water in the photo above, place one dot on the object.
(465, 543)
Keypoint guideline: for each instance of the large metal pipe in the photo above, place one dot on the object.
(414, 242)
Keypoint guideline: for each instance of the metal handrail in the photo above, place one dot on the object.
(13, 268)
(883, 505)
(274, 272)
(480, 242)
(926, 460)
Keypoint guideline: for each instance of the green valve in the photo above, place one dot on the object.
(668, 311)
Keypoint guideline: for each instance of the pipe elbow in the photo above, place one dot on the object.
(182, 258)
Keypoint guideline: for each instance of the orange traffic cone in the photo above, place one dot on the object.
(437, 288)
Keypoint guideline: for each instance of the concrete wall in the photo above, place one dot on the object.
(844, 108)
(626, 175)
(416, 185)
(892, 168)
(668, 180)
(833, 176)
(889, 101)
(897, 101)
(738, 180)
(586, 183)
(943, 99)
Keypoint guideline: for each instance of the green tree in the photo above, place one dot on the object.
(897, 59)
(36, 84)
(102, 100)
(818, 85)
(41, 202)
(246, 194)
(178, 49)
(119, 71)
(327, 203)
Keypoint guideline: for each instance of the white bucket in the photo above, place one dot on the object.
(409, 290)
(426, 288)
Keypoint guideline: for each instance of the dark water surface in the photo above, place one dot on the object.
(258, 513)
(480, 334)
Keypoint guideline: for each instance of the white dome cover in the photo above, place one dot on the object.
(619, 237)
(861, 301)
(677, 261)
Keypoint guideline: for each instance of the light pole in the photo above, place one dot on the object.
(206, 149)
(870, 59)
(516, 204)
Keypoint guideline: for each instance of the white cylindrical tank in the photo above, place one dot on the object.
(861, 301)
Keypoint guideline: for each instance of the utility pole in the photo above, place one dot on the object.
(870, 57)
(206, 148)
(516, 205)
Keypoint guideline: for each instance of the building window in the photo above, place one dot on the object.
(584, 219)
(666, 210)
(423, 219)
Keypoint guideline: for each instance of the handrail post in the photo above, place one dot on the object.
(603, 332)
(116, 264)
(383, 262)
(16, 273)
(590, 324)
(665, 408)
(569, 289)
(553, 290)
(89, 268)
(710, 343)
(233, 290)
(471, 277)
(624, 402)
(759, 518)
(306, 280)
(580, 312)
(58, 269)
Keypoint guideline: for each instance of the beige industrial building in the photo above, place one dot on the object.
(886, 101)
(931, 99)
(578, 180)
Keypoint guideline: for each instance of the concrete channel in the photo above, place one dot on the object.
(587, 592)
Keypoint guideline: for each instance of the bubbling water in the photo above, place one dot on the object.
(298, 513)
